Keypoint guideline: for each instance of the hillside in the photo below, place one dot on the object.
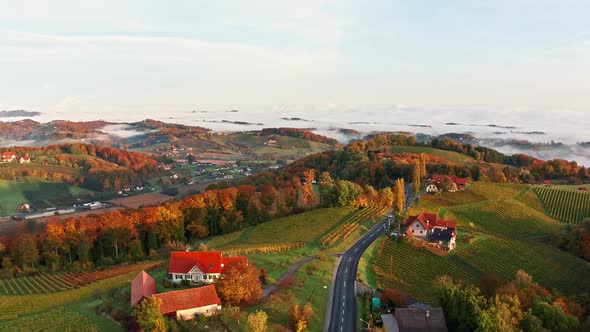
(507, 237)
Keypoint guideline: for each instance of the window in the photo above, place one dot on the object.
(211, 266)
(178, 276)
(420, 232)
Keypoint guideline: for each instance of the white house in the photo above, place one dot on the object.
(431, 188)
(427, 227)
(198, 266)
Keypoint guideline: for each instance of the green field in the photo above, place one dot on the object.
(456, 157)
(307, 227)
(508, 227)
(58, 319)
(38, 193)
(565, 204)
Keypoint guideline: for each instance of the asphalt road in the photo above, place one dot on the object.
(343, 317)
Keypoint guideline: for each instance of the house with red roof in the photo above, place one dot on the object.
(180, 304)
(24, 160)
(190, 303)
(8, 156)
(198, 266)
(427, 227)
(142, 286)
(436, 180)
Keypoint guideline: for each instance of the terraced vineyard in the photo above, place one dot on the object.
(563, 204)
(57, 282)
(349, 226)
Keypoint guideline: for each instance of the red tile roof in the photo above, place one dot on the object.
(446, 223)
(206, 261)
(143, 285)
(430, 220)
(187, 299)
(425, 219)
(457, 180)
(230, 260)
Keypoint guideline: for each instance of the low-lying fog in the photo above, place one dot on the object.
(503, 130)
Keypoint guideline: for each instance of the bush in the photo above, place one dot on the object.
(312, 268)
(185, 283)
(167, 283)
(322, 257)
(108, 307)
(119, 315)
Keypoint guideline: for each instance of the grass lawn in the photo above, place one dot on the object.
(311, 282)
(508, 225)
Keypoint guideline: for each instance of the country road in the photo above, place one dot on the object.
(342, 305)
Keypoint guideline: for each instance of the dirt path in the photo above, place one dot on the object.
(271, 289)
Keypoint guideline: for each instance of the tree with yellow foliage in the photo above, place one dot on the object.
(239, 283)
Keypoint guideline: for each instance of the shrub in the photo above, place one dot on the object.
(119, 315)
(312, 268)
(185, 283)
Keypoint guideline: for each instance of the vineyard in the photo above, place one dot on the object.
(506, 218)
(509, 225)
(58, 282)
(59, 319)
(348, 227)
(565, 205)
(262, 249)
(12, 307)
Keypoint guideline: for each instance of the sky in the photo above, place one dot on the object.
(139, 56)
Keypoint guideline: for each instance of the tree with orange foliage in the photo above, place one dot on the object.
(239, 283)
(394, 297)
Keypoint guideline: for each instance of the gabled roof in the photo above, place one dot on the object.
(187, 299)
(427, 220)
(454, 178)
(8, 154)
(206, 261)
(430, 220)
(143, 285)
(229, 260)
(446, 224)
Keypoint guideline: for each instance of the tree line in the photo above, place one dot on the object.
(123, 235)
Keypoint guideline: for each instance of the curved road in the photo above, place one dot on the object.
(343, 316)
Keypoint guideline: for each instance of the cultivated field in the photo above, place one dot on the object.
(58, 319)
(455, 157)
(508, 236)
(39, 194)
(304, 227)
(565, 204)
(58, 282)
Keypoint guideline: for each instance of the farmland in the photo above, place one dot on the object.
(58, 319)
(304, 227)
(57, 282)
(565, 204)
(38, 193)
(508, 236)
(456, 157)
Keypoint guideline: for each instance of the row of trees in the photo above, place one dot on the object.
(518, 305)
(574, 239)
(93, 167)
(132, 234)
